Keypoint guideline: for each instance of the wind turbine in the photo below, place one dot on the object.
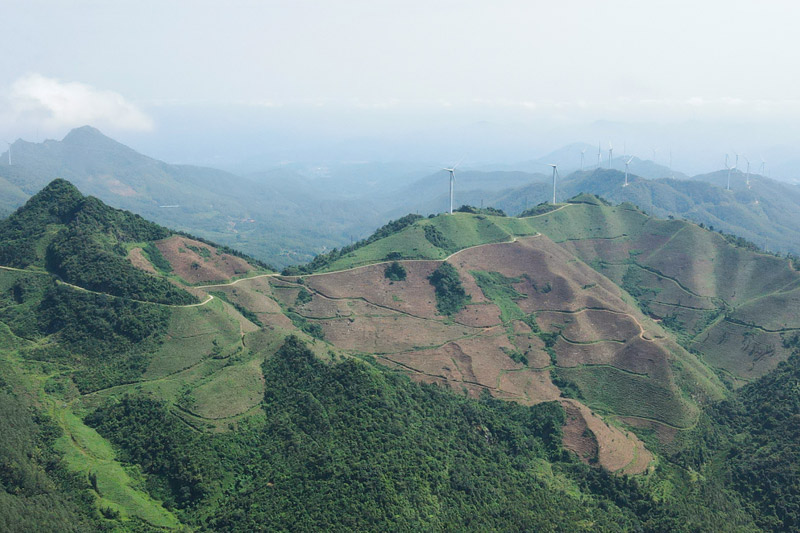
(610, 153)
(729, 169)
(599, 153)
(747, 175)
(582, 153)
(654, 153)
(452, 172)
(555, 173)
(628, 162)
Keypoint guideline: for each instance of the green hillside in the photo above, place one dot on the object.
(765, 212)
(273, 402)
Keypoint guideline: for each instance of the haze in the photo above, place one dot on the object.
(250, 85)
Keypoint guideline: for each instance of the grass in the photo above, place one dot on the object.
(232, 391)
(194, 334)
(85, 451)
(609, 389)
(463, 230)
(500, 290)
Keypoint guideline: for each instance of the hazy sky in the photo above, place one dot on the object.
(329, 74)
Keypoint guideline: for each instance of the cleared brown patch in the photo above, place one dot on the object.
(590, 325)
(480, 361)
(137, 259)
(617, 450)
(532, 347)
(576, 435)
(551, 277)
(479, 315)
(193, 267)
(414, 296)
(534, 386)
(388, 334)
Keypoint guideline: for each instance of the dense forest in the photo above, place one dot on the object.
(350, 446)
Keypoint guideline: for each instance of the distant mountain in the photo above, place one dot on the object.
(276, 224)
(766, 213)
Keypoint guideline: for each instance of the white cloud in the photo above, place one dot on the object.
(54, 105)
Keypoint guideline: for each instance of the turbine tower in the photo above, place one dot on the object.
(582, 154)
(555, 173)
(729, 170)
(610, 153)
(599, 153)
(452, 172)
(628, 162)
(747, 175)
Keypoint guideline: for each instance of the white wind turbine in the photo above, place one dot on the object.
(452, 171)
(599, 153)
(628, 162)
(555, 173)
(729, 170)
(610, 153)
(747, 174)
(582, 154)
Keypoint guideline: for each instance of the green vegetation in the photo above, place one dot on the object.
(436, 238)
(108, 339)
(395, 271)
(303, 296)
(541, 209)
(611, 390)
(202, 251)
(80, 239)
(37, 491)
(302, 323)
(353, 446)
(748, 444)
(500, 290)
(481, 211)
(450, 294)
(155, 257)
(248, 314)
(322, 261)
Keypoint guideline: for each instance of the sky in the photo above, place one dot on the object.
(248, 84)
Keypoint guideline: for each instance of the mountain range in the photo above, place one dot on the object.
(585, 368)
(288, 215)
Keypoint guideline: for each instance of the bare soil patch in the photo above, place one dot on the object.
(389, 334)
(137, 259)
(195, 261)
(590, 325)
(617, 450)
(414, 295)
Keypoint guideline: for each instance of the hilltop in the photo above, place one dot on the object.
(764, 213)
(439, 369)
